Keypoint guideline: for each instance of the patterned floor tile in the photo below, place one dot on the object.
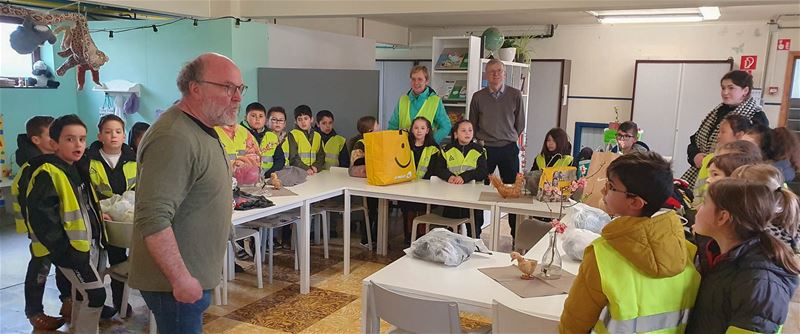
(345, 320)
(243, 291)
(350, 284)
(230, 326)
(289, 311)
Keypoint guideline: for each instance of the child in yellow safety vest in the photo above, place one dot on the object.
(64, 217)
(334, 145)
(240, 146)
(426, 154)
(303, 144)
(642, 247)
(272, 158)
(358, 168)
(111, 166)
(556, 150)
(35, 142)
(464, 162)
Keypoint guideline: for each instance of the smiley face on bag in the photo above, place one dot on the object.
(401, 165)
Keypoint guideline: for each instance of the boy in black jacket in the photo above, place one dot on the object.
(65, 219)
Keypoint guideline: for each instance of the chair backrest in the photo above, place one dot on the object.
(414, 314)
(509, 320)
(119, 233)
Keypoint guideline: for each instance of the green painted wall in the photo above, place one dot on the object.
(152, 59)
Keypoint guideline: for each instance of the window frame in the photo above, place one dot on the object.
(35, 56)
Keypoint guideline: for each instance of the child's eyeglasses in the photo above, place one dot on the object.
(277, 120)
(624, 136)
(610, 187)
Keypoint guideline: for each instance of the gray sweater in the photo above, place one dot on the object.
(498, 122)
(184, 182)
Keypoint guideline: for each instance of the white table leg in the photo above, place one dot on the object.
(346, 218)
(303, 249)
(495, 228)
(369, 320)
(383, 226)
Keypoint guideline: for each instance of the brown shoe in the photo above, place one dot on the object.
(45, 322)
(66, 309)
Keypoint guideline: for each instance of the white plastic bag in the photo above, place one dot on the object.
(575, 241)
(441, 245)
(120, 208)
(586, 217)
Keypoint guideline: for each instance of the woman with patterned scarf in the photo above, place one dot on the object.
(736, 88)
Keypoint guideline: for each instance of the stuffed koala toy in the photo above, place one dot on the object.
(30, 36)
(42, 77)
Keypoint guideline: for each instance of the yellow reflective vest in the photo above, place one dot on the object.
(307, 151)
(236, 146)
(332, 149)
(564, 161)
(267, 148)
(19, 216)
(74, 218)
(99, 178)
(425, 160)
(459, 163)
(641, 304)
(428, 110)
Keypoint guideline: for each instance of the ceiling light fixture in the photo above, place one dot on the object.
(657, 15)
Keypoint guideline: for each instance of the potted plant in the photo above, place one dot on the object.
(508, 50)
(523, 54)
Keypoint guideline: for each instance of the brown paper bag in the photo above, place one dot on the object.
(596, 178)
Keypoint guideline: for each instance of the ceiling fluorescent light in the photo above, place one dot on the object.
(657, 15)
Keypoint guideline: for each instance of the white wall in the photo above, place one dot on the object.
(378, 31)
(290, 47)
(603, 57)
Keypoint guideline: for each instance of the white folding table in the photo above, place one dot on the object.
(471, 289)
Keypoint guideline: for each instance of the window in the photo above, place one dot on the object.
(14, 65)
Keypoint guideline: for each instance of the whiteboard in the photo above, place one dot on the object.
(671, 99)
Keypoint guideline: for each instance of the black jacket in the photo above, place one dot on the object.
(745, 289)
(116, 177)
(26, 150)
(44, 215)
(478, 174)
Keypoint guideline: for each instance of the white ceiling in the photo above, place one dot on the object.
(535, 17)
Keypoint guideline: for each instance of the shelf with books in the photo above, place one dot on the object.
(456, 84)
(450, 71)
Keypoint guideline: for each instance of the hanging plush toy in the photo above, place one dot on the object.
(80, 50)
(77, 46)
(30, 36)
(42, 77)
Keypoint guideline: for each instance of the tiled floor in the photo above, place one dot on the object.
(332, 306)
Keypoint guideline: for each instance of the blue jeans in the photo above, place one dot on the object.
(176, 317)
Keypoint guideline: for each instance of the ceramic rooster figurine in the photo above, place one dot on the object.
(524, 265)
(514, 191)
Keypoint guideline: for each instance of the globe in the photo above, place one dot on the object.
(492, 39)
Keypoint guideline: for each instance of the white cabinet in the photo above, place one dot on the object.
(671, 99)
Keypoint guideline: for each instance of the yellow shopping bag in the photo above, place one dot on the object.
(554, 185)
(388, 157)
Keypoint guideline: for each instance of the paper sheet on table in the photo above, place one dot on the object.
(509, 277)
(493, 196)
(268, 191)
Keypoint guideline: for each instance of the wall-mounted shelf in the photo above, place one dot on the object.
(119, 87)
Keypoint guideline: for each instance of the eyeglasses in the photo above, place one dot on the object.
(229, 89)
(609, 186)
(624, 136)
(277, 120)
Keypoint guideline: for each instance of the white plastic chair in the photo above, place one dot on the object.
(324, 209)
(266, 227)
(506, 320)
(433, 219)
(241, 233)
(415, 315)
(119, 235)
